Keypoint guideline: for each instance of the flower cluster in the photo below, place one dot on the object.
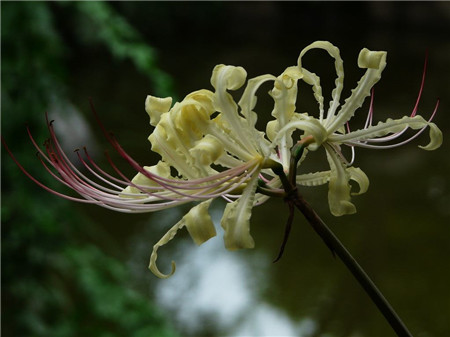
(210, 148)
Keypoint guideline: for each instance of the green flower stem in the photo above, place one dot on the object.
(364, 280)
(294, 197)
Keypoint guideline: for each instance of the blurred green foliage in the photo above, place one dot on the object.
(54, 283)
(122, 41)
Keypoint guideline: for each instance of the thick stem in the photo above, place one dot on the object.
(364, 280)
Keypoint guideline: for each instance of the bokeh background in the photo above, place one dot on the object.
(78, 270)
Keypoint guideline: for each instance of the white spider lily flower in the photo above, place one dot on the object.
(199, 146)
(330, 129)
(210, 148)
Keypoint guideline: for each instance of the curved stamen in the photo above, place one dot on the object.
(107, 190)
(422, 84)
(349, 163)
(226, 185)
(393, 136)
(413, 112)
(37, 182)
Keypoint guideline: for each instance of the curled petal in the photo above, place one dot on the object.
(284, 95)
(338, 196)
(203, 99)
(247, 103)
(371, 59)
(236, 219)
(193, 115)
(338, 187)
(200, 227)
(375, 62)
(207, 150)
(314, 80)
(199, 224)
(313, 179)
(311, 127)
(168, 143)
(249, 99)
(323, 177)
(358, 175)
(435, 138)
(391, 126)
(156, 106)
(179, 130)
(228, 77)
(194, 112)
(272, 129)
(165, 239)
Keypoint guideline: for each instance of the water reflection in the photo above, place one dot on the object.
(400, 233)
(217, 292)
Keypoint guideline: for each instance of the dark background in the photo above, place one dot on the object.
(77, 270)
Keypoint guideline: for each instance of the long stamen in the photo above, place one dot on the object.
(171, 183)
(349, 163)
(99, 173)
(393, 136)
(369, 142)
(37, 182)
(422, 84)
(55, 159)
(413, 112)
(78, 181)
(160, 180)
(227, 184)
(167, 192)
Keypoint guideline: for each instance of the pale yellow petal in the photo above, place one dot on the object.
(168, 143)
(207, 150)
(314, 80)
(240, 129)
(200, 227)
(192, 118)
(236, 219)
(284, 95)
(323, 177)
(371, 59)
(313, 179)
(272, 129)
(249, 99)
(358, 176)
(374, 62)
(156, 106)
(199, 223)
(436, 138)
(338, 187)
(309, 125)
(180, 129)
(228, 77)
(165, 239)
(392, 126)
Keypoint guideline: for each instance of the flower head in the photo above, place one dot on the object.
(210, 148)
(331, 129)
